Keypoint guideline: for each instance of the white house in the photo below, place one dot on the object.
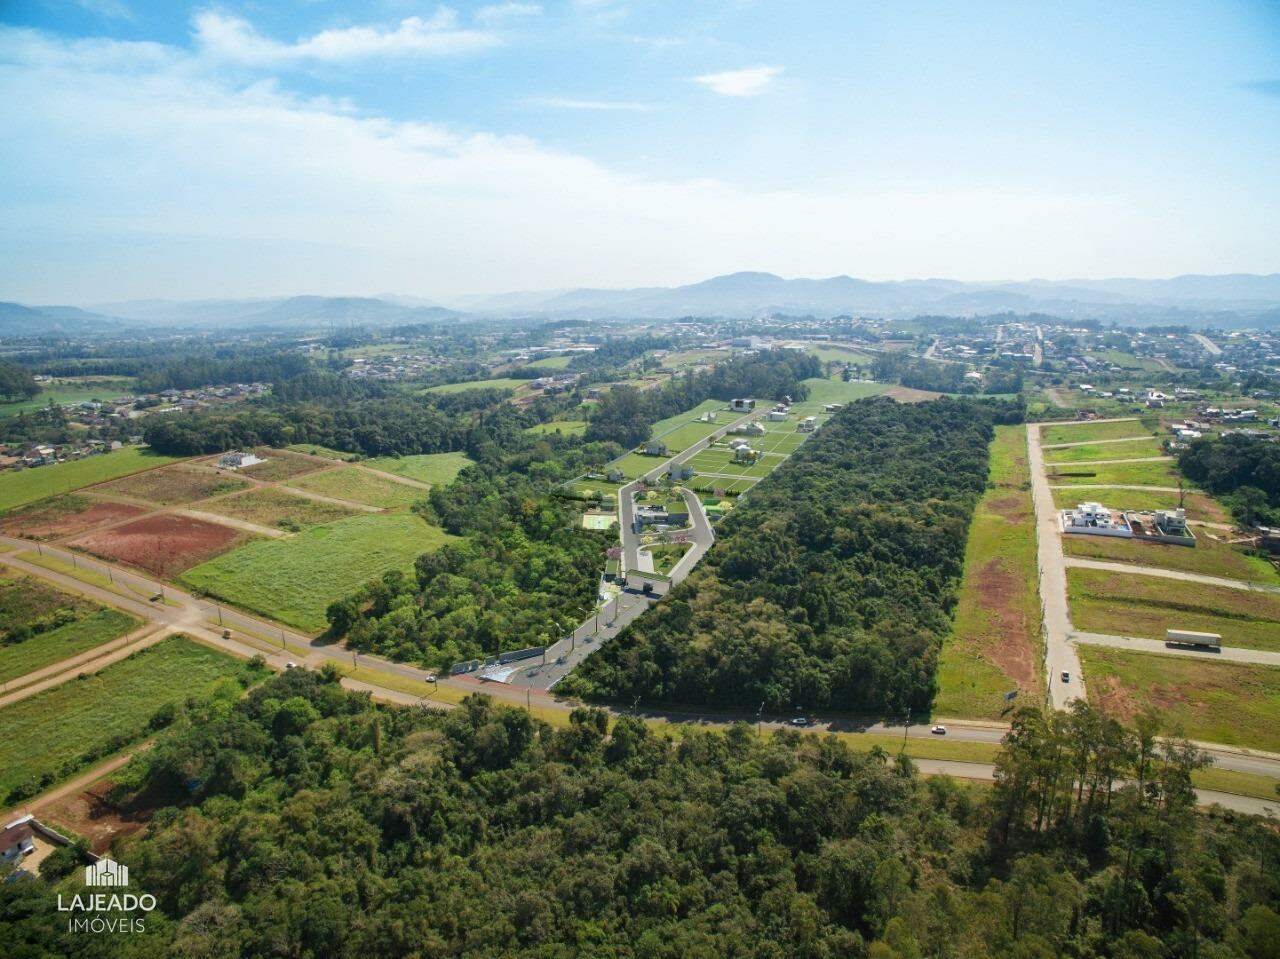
(236, 460)
(777, 416)
(1094, 519)
(743, 405)
(808, 424)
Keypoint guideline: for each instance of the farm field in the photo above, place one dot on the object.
(360, 486)
(280, 465)
(1078, 432)
(69, 392)
(500, 383)
(434, 468)
(1142, 606)
(1209, 556)
(18, 488)
(65, 515)
(1231, 703)
(1105, 451)
(1198, 505)
(995, 643)
(165, 544)
(55, 733)
(563, 427)
(173, 485)
(295, 579)
(1163, 473)
(273, 506)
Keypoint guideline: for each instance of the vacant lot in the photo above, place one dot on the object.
(40, 625)
(995, 644)
(721, 461)
(713, 483)
(294, 580)
(45, 649)
(30, 485)
(65, 516)
(1209, 556)
(163, 544)
(55, 733)
(837, 391)
(280, 465)
(360, 486)
(275, 506)
(314, 450)
(501, 383)
(550, 363)
(1105, 451)
(1103, 602)
(563, 427)
(1080, 432)
(433, 468)
(173, 485)
(1162, 473)
(1230, 703)
(1198, 505)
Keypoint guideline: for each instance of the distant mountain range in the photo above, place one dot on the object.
(1228, 300)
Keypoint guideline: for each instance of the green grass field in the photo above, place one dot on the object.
(1163, 473)
(995, 643)
(359, 486)
(501, 383)
(1230, 703)
(434, 468)
(552, 363)
(1209, 557)
(1144, 606)
(295, 579)
(661, 428)
(1198, 505)
(49, 735)
(313, 450)
(71, 391)
(273, 505)
(1082, 431)
(18, 488)
(64, 642)
(721, 461)
(634, 465)
(836, 391)
(840, 354)
(1105, 451)
(563, 427)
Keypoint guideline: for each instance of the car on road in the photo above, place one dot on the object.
(290, 665)
(1066, 676)
(431, 677)
(939, 730)
(800, 721)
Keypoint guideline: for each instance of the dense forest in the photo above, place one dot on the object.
(1244, 470)
(303, 821)
(923, 374)
(831, 586)
(16, 382)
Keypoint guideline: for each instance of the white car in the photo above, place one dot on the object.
(799, 721)
(431, 677)
(939, 730)
(290, 665)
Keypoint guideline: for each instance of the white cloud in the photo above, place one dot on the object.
(110, 9)
(568, 103)
(740, 83)
(236, 39)
(502, 12)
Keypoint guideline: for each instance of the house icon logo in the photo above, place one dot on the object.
(106, 872)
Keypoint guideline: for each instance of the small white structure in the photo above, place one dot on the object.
(750, 429)
(777, 416)
(743, 405)
(808, 424)
(745, 454)
(1094, 519)
(236, 460)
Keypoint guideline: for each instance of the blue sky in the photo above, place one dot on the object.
(234, 149)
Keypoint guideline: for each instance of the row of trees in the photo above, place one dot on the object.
(1244, 469)
(16, 382)
(832, 585)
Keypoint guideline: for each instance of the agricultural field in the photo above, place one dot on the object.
(275, 506)
(437, 469)
(500, 383)
(20, 487)
(295, 579)
(360, 486)
(280, 465)
(65, 515)
(1145, 606)
(164, 544)
(1079, 432)
(1105, 451)
(995, 644)
(55, 733)
(563, 427)
(71, 391)
(1210, 557)
(1231, 703)
(173, 485)
(1163, 473)
(1198, 505)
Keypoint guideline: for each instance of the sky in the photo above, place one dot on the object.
(236, 149)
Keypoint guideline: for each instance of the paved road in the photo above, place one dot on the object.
(1169, 574)
(1230, 654)
(1211, 347)
(1060, 655)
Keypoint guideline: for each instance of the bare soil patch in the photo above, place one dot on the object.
(93, 815)
(66, 516)
(1013, 508)
(173, 485)
(282, 465)
(165, 545)
(998, 593)
(905, 394)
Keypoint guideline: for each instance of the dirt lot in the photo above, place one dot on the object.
(281, 465)
(173, 485)
(906, 394)
(165, 545)
(66, 516)
(92, 815)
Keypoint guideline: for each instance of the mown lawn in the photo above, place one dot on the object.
(995, 646)
(434, 468)
(1144, 606)
(295, 579)
(360, 486)
(1079, 432)
(1105, 451)
(1209, 557)
(1230, 703)
(706, 406)
(20, 487)
(53, 734)
(1163, 473)
(1198, 505)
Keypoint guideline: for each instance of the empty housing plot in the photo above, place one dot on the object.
(1161, 473)
(722, 461)
(360, 486)
(1209, 557)
(164, 544)
(28, 486)
(1129, 449)
(276, 506)
(66, 515)
(280, 465)
(1145, 606)
(1083, 431)
(438, 469)
(173, 485)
